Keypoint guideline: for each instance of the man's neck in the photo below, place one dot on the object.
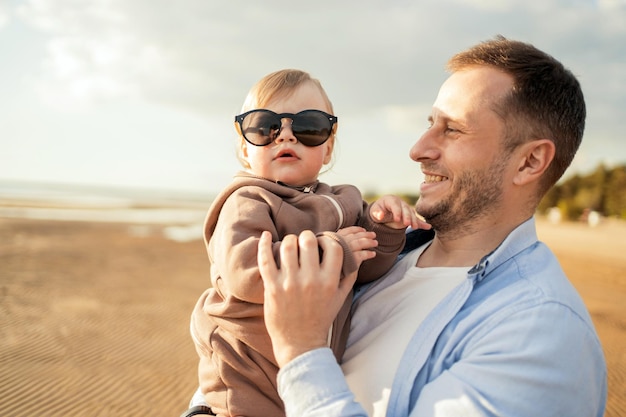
(465, 247)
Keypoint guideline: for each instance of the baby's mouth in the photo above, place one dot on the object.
(286, 154)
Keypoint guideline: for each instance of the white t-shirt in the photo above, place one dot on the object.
(383, 325)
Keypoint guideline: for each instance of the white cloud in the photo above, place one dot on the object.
(410, 120)
(4, 12)
(204, 55)
(611, 4)
(384, 60)
(489, 5)
(91, 54)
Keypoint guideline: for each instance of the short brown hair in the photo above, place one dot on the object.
(546, 101)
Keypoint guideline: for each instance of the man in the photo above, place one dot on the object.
(480, 320)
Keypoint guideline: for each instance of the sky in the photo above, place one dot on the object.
(142, 93)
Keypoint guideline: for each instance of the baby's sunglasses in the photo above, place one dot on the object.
(261, 127)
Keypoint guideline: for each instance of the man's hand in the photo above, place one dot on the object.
(303, 297)
(396, 213)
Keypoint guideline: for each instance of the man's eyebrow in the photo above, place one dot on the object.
(435, 113)
(439, 115)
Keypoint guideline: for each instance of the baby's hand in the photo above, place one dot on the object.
(360, 242)
(396, 213)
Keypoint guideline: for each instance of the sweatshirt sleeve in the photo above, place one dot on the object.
(390, 244)
(232, 246)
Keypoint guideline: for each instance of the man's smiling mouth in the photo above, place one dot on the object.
(434, 178)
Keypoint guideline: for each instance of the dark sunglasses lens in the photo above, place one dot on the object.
(311, 128)
(260, 127)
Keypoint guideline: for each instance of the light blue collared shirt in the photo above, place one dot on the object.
(514, 339)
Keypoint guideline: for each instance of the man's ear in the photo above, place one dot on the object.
(534, 159)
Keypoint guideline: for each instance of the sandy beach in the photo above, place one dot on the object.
(94, 314)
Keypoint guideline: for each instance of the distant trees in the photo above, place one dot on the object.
(603, 191)
(408, 197)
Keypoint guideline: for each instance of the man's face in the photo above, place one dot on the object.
(462, 153)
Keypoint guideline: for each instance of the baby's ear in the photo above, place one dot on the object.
(243, 149)
(330, 145)
(243, 153)
(534, 159)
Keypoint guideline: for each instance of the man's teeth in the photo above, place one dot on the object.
(435, 178)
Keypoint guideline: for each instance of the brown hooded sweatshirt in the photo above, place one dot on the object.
(237, 369)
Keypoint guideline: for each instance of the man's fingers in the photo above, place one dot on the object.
(265, 258)
(333, 251)
(331, 266)
(309, 251)
(289, 262)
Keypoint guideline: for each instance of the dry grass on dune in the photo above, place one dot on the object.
(94, 316)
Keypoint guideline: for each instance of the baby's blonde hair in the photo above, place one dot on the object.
(280, 84)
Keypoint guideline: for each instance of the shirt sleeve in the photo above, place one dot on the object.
(390, 244)
(313, 385)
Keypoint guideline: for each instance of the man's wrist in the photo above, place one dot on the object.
(310, 378)
(287, 354)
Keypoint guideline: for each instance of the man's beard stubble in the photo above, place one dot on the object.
(474, 195)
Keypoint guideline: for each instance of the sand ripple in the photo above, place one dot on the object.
(94, 316)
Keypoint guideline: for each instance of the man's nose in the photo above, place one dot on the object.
(424, 147)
